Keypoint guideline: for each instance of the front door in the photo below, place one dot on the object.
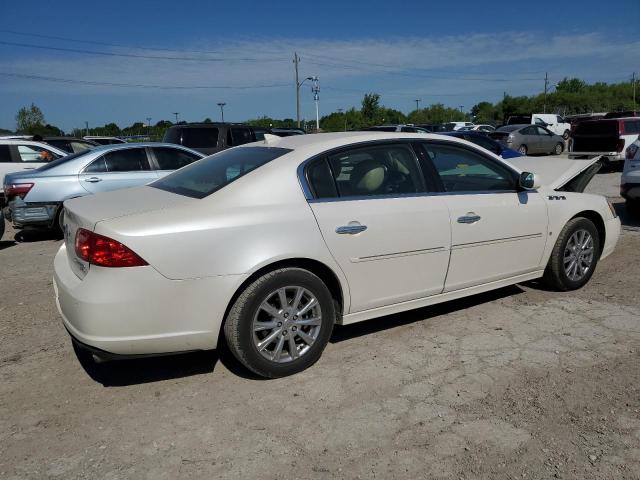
(497, 232)
(390, 238)
(121, 168)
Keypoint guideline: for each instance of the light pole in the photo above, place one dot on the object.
(316, 98)
(221, 105)
(149, 127)
(86, 127)
(176, 114)
(418, 100)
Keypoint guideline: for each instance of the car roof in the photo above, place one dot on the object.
(17, 141)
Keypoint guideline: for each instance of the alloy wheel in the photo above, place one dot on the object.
(286, 324)
(578, 255)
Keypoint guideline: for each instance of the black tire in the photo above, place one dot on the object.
(1, 224)
(522, 149)
(238, 327)
(566, 134)
(555, 275)
(558, 149)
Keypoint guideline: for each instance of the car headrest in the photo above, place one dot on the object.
(367, 176)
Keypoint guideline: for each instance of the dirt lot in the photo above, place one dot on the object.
(518, 383)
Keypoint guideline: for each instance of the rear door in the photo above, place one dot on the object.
(117, 169)
(168, 159)
(390, 237)
(497, 232)
(531, 139)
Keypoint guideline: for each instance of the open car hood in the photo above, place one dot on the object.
(560, 173)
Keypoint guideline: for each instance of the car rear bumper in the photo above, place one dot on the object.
(23, 214)
(137, 311)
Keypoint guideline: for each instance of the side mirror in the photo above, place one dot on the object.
(529, 181)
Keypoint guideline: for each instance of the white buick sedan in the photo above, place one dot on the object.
(270, 244)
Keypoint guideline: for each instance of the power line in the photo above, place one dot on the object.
(140, 85)
(133, 55)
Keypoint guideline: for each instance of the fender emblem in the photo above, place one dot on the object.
(557, 197)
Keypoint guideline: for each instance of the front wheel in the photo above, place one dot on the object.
(559, 148)
(574, 256)
(281, 323)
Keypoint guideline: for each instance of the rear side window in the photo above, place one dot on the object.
(321, 180)
(631, 127)
(5, 154)
(212, 173)
(127, 160)
(200, 137)
(32, 153)
(376, 170)
(173, 158)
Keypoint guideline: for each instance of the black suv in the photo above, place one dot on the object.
(210, 138)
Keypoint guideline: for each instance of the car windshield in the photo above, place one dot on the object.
(210, 174)
(61, 160)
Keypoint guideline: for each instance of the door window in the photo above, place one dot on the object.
(173, 158)
(529, 131)
(542, 131)
(126, 160)
(376, 170)
(32, 153)
(200, 137)
(462, 170)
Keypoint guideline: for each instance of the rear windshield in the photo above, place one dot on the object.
(205, 176)
(61, 160)
(598, 127)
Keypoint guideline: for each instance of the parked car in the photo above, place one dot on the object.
(453, 126)
(630, 181)
(272, 244)
(70, 144)
(624, 114)
(432, 127)
(485, 142)
(34, 199)
(479, 128)
(210, 138)
(104, 140)
(528, 139)
(607, 138)
(396, 128)
(286, 132)
(17, 155)
(555, 123)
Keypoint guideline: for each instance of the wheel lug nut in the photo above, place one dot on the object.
(294, 328)
(279, 324)
(284, 334)
(286, 315)
(295, 317)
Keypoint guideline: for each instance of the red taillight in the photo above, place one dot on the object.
(17, 189)
(620, 146)
(104, 251)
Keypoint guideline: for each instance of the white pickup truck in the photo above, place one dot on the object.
(607, 138)
(19, 154)
(550, 121)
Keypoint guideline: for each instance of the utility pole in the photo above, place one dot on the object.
(633, 81)
(86, 127)
(546, 86)
(296, 60)
(176, 114)
(221, 105)
(418, 100)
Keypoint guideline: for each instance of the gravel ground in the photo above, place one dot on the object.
(518, 383)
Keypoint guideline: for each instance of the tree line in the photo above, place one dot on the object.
(570, 96)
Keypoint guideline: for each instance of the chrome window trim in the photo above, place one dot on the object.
(308, 194)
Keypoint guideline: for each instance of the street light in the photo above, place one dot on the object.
(316, 98)
(221, 105)
(176, 114)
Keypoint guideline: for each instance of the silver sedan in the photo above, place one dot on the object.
(35, 198)
(528, 139)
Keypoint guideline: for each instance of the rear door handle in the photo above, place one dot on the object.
(93, 179)
(469, 218)
(350, 229)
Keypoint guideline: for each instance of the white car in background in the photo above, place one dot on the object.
(270, 244)
(550, 121)
(455, 126)
(630, 181)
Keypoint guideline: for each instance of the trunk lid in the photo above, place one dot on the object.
(559, 173)
(86, 212)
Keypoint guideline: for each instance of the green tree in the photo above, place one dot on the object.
(370, 108)
(29, 119)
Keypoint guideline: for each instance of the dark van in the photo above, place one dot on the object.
(210, 138)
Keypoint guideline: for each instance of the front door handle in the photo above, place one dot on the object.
(93, 179)
(351, 229)
(470, 217)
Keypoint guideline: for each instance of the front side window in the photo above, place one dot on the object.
(126, 160)
(216, 171)
(462, 170)
(376, 170)
(173, 158)
(32, 153)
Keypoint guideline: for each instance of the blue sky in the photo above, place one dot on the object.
(457, 53)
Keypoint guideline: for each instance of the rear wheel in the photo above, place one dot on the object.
(559, 148)
(522, 149)
(574, 256)
(281, 323)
